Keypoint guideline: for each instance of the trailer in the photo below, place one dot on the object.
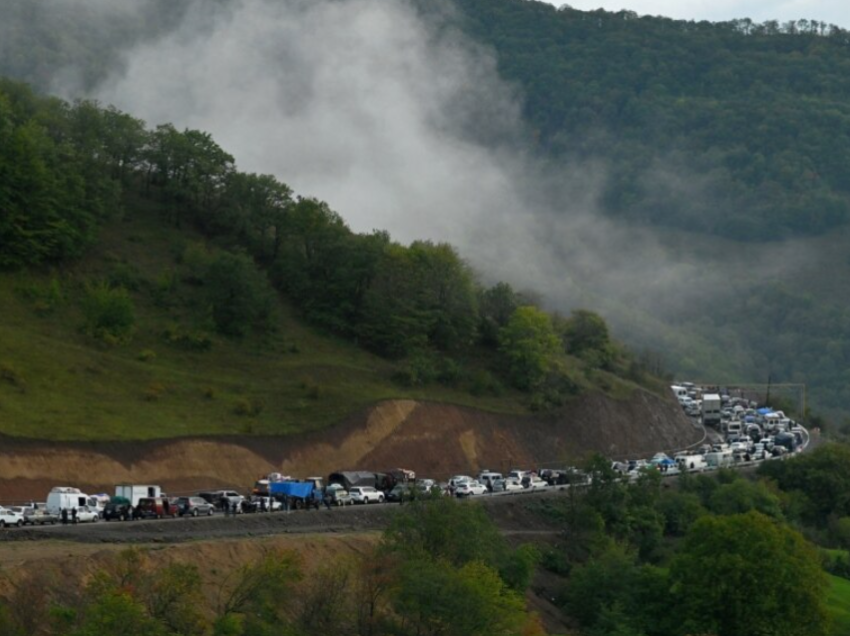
(134, 492)
(711, 415)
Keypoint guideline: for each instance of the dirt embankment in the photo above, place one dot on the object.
(435, 440)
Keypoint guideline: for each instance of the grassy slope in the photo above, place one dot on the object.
(57, 383)
(838, 603)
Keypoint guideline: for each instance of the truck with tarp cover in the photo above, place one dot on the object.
(297, 494)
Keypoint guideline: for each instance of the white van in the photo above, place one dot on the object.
(734, 428)
(65, 497)
(720, 458)
(691, 463)
(487, 478)
(679, 391)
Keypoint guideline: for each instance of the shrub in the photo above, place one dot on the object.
(45, 299)
(108, 311)
(11, 376)
(154, 391)
(247, 408)
(311, 388)
(484, 383)
(146, 355)
(190, 341)
(126, 276)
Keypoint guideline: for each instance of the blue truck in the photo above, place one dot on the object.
(298, 494)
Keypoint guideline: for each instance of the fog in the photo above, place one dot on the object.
(401, 124)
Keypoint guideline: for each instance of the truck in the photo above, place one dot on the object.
(65, 498)
(134, 492)
(711, 415)
(298, 494)
(691, 463)
(720, 458)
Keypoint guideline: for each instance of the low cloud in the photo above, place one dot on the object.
(401, 124)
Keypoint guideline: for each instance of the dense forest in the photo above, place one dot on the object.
(733, 128)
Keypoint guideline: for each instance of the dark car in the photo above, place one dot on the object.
(118, 508)
(401, 492)
(194, 506)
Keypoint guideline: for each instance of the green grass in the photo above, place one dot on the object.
(58, 383)
(838, 605)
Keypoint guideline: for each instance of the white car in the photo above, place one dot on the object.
(365, 495)
(507, 485)
(9, 517)
(86, 514)
(534, 483)
(457, 480)
(469, 488)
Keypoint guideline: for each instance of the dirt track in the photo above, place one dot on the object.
(436, 440)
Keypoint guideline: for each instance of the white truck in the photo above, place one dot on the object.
(711, 415)
(691, 463)
(720, 458)
(65, 498)
(134, 492)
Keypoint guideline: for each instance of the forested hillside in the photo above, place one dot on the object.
(117, 238)
(733, 128)
(726, 142)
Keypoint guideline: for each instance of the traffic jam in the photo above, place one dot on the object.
(738, 432)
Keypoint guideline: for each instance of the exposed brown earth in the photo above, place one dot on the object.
(435, 440)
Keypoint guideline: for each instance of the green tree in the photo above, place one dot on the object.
(434, 598)
(530, 346)
(108, 311)
(585, 335)
(256, 598)
(743, 495)
(239, 295)
(747, 574)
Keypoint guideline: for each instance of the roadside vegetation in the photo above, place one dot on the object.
(441, 568)
(719, 554)
(709, 554)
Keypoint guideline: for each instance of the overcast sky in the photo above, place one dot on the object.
(832, 11)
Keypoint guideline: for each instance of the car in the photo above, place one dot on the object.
(402, 492)
(9, 517)
(470, 488)
(230, 496)
(518, 474)
(118, 508)
(338, 495)
(194, 506)
(156, 507)
(37, 516)
(509, 484)
(533, 482)
(87, 514)
(366, 495)
(455, 481)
